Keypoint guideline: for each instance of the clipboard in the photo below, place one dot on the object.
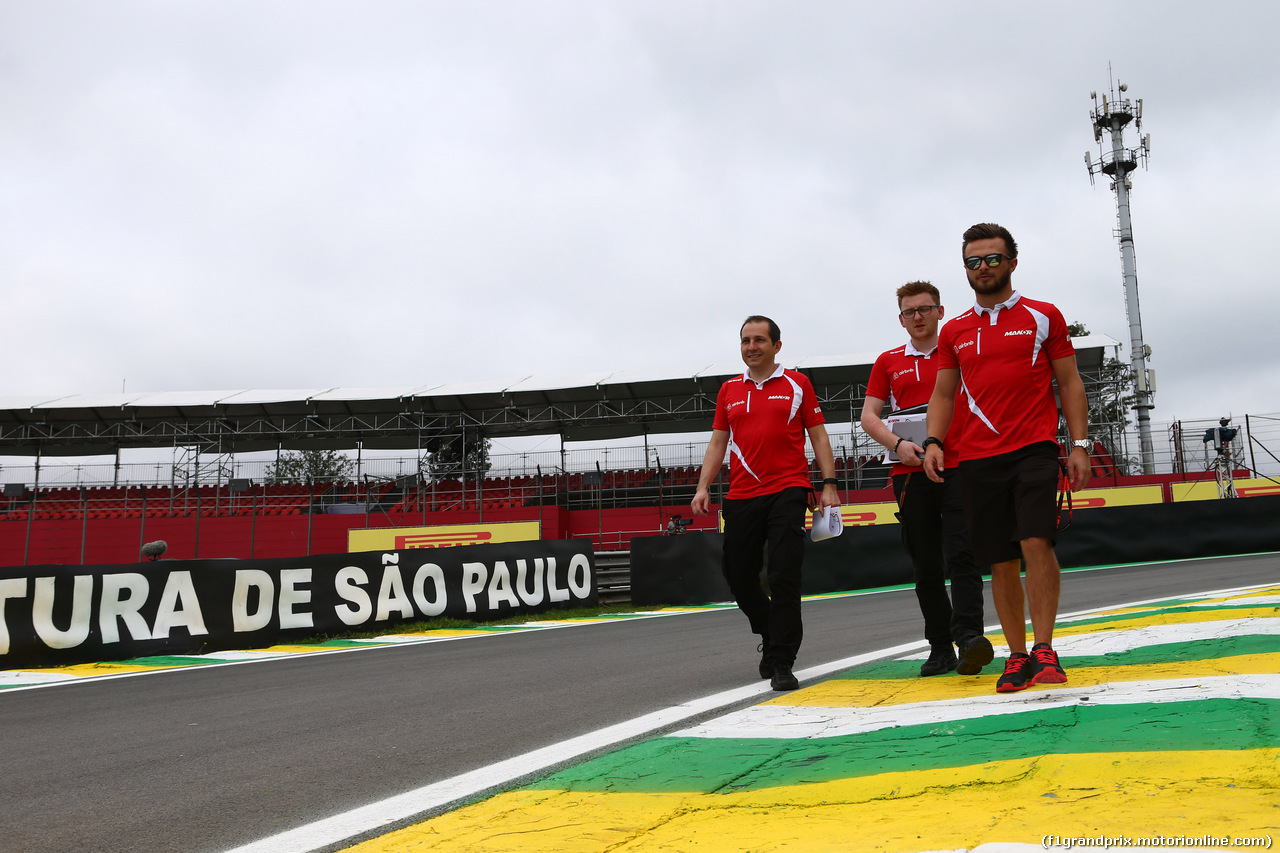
(906, 423)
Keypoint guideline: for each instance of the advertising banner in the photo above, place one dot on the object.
(1117, 496)
(855, 515)
(71, 614)
(441, 536)
(1207, 490)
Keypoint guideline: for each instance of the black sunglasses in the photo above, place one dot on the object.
(993, 260)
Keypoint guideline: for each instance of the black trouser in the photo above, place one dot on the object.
(937, 540)
(776, 523)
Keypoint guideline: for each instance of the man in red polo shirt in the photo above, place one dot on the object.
(1007, 351)
(931, 515)
(761, 420)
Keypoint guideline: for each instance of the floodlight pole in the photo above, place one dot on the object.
(1111, 116)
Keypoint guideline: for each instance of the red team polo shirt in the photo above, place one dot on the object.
(767, 423)
(903, 378)
(1004, 357)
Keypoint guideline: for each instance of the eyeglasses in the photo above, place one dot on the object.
(992, 260)
(923, 311)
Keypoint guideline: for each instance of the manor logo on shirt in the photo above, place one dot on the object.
(1019, 332)
(779, 396)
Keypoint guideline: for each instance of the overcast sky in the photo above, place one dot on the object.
(291, 195)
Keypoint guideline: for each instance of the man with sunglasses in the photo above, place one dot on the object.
(931, 514)
(1006, 352)
(761, 420)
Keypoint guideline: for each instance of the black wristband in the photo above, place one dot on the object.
(899, 441)
(931, 440)
(830, 481)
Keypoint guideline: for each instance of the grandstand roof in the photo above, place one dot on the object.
(577, 407)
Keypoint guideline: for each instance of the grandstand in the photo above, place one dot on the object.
(214, 500)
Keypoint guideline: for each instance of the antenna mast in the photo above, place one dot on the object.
(1111, 116)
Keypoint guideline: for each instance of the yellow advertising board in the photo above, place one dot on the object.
(866, 515)
(1117, 496)
(441, 536)
(855, 515)
(1207, 490)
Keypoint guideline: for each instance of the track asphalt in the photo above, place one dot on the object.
(1166, 736)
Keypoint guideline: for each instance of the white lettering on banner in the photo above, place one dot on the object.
(553, 593)
(347, 584)
(580, 565)
(473, 578)
(81, 613)
(9, 588)
(123, 595)
(247, 580)
(179, 607)
(531, 597)
(391, 595)
(432, 572)
(500, 587)
(290, 595)
(477, 578)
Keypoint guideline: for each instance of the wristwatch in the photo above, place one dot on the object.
(1085, 444)
(931, 440)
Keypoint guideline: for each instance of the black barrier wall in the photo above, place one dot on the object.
(70, 614)
(685, 569)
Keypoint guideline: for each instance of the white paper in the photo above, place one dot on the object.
(826, 524)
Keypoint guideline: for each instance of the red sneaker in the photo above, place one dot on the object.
(1017, 674)
(1045, 666)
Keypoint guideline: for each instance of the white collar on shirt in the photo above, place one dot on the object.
(911, 350)
(746, 376)
(1008, 303)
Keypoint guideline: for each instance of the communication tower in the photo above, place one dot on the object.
(1111, 116)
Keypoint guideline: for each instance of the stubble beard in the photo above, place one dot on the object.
(995, 284)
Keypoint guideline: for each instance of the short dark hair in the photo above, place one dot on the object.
(989, 231)
(912, 288)
(775, 334)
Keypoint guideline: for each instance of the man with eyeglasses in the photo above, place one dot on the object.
(1006, 353)
(931, 514)
(761, 420)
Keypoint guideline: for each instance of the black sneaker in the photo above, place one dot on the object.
(975, 653)
(782, 678)
(1018, 670)
(1044, 663)
(766, 665)
(942, 659)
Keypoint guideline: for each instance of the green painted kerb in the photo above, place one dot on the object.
(728, 765)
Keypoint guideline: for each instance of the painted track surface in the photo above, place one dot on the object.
(208, 758)
(1169, 728)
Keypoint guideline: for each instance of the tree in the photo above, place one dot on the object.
(310, 466)
(456, 455)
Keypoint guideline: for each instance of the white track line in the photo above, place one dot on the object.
(404, 806)
(1112, 642)
(811, 722)
(368, 819)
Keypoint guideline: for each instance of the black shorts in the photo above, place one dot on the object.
(1011, 497)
